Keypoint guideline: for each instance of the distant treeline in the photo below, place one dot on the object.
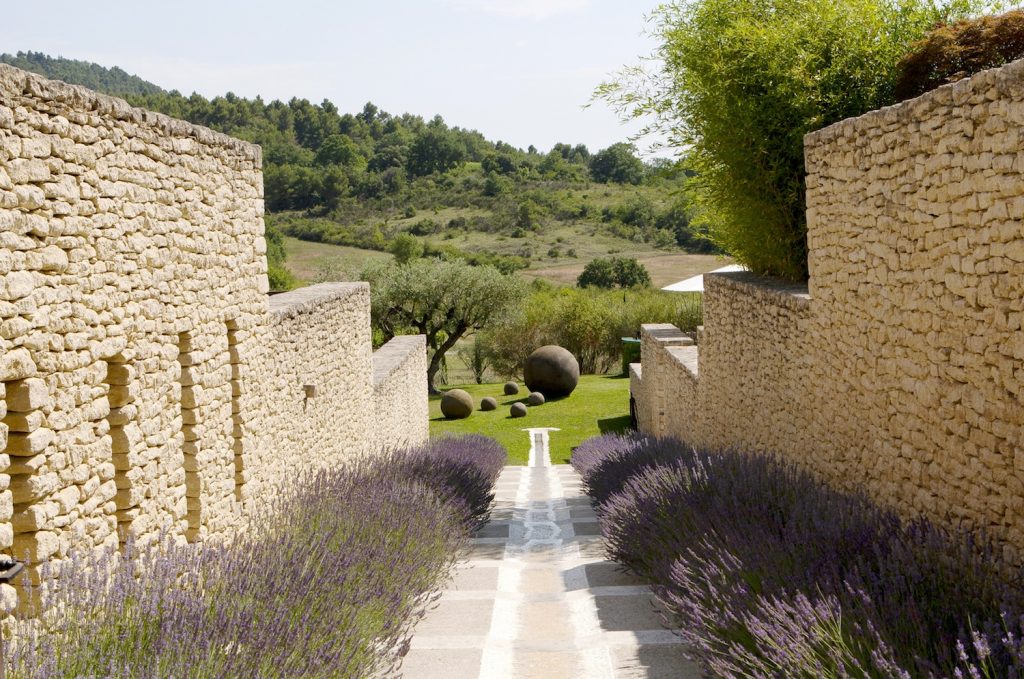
(113, 80)
(316, 157)
(360, 178)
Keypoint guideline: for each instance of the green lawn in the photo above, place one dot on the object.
(600, 404)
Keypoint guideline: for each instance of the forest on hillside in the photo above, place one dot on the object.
(111, 80)
(364, 178)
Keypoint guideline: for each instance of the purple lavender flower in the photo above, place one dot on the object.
(768, 572)
(330, 584)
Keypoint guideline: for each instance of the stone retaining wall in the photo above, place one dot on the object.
(147, 384)
(901, 371)
(401, 410)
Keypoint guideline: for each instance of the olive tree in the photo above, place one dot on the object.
(442, 300)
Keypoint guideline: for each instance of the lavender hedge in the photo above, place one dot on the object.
(767, 572)
(329, 586)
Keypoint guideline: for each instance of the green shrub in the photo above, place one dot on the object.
(588, 322)
(960, 50)
(743, 81)
(278, 274)
(405, 248)
(622, 272)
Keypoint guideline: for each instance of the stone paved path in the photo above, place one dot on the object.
(536, 599)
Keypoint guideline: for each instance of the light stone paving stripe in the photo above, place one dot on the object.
(543, 602)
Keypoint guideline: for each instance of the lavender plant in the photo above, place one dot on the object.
(330, 586)
(607, 462)
(464, 469)
(768, 572)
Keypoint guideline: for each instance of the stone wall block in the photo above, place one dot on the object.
(149, 383)
(897, 371)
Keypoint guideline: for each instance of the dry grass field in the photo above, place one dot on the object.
(664, 268)
(307, 259)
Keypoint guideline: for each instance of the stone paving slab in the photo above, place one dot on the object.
(536, 599)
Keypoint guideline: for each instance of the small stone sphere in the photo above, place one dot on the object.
(518, 410)
(552, 371)
(535, 399)
(456, 404)
(489, 403)
(511, 389)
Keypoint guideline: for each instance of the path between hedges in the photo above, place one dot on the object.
(536, 599)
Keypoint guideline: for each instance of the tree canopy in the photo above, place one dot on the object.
(614, 272)
(442, 300)
(617, 163)
(110, 80)
(741, 82)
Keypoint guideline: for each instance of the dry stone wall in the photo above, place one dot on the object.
(900, 369)
(147, 384)
(312, 404)
(401, 415)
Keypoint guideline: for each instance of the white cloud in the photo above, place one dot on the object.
(522, 9)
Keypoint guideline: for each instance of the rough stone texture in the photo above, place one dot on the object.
(517, 410)
(147, 384)
(900, 372)
(456, 404)
(401, 407)
(551, 370)
(535, 399)
(511, 389)
(488, 403)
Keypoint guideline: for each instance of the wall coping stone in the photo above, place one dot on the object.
(394, 354)
(81, 99)
(784, 293)
(688, 357)
(308, 299)
(665, 334)
(636, 371)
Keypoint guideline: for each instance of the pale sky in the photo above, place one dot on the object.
(517, 70)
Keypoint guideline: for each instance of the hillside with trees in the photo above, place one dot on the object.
(367, 178)
(100, 78)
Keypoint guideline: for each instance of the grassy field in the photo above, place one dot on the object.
(600, 404)
(306, 258)
(664, 268)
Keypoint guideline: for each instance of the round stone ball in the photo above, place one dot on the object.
(552, 371)
(511, 389)
(456, 404)
(535, 399)
(489, 403)
(518, 410)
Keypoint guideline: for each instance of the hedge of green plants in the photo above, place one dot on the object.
(740, 82)
(588, 322)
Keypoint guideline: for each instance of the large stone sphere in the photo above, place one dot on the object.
(489, 403)
(511, 389)
(535, 398)
(456, 404)
(517, 410)
(552, 371)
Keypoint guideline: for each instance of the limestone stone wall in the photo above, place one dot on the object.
(668, 384)
(401, 409)
(312, 406)
(899, 369)
(147, 383)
